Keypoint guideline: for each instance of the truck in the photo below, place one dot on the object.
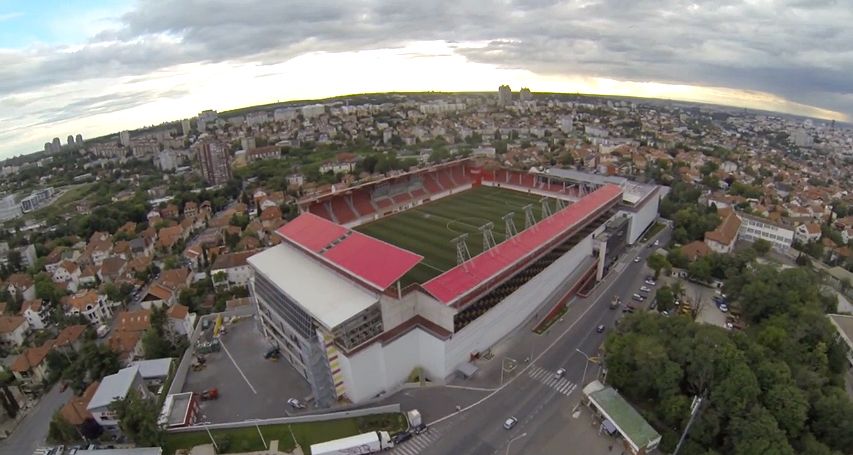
(416, 423)
(372, 442)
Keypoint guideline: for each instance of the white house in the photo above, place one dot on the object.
(67, 272)
(807, 232)
(112, 388)
(91, 305)
(13, 329)
(232, 269)
(754, 228)
(36, 313)
(181, 321)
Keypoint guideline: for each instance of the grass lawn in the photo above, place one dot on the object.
(657, 227)
(247, 439)
(65, 202)
(429, 228)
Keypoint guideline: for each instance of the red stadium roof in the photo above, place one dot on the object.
(365, 258)
(465, 278)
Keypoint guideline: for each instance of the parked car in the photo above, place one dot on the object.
(510, 422)
(657, 242)
(723, 307)
(650, 282)
(645, 289)
(295, 404)
(638, 297)
(401, 437)
(560, 373)
(600, 328)
(637, 259)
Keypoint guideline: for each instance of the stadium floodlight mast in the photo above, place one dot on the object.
(462, 253)
(546, 209)
(509, 223)
(529, 219)
(488, 235)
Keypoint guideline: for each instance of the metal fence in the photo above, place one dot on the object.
(387, 409)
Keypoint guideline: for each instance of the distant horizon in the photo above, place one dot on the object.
(108, 65)
(515, 91)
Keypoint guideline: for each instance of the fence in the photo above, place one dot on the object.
(387, 409)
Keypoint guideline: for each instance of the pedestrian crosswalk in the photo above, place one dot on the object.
(548, 378)
(417, 444)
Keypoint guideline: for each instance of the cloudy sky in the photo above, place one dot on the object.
(98, 66)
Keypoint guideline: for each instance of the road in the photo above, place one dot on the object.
(540, 402)
(32, 431)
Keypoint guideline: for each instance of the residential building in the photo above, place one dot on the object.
(21, 284)
(30, 366)
(112, 388)
(74, 411)
(124, 138)
(90, 305)
(525, 95)
(9, 208)
(154, 372)
(26, 253)
(723, 238)
(13, 330)
(70, 338)
(181, 321)
(263, 153)
(807, 232)
(232, 269)
(68, 273)
(111, 269)
(504, 95)
(36, 199)
(36, 313)
(215, 163)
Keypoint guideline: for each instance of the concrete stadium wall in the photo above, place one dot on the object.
(499, 321)
(387, 409)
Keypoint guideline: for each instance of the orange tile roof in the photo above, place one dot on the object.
(123, 342)
(31, 357)
(74, 411)
(178, 311)
(133, 321)
(81, 300)
(8, 324)
(726, 231)
(69, 335)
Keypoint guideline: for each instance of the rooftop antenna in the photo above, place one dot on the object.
(509, 223)
(488, 235)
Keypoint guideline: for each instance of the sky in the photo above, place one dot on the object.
(95, 67)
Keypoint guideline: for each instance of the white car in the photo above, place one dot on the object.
(645, 289)
(560, 373)
(657, 242)
(724, 308)
(637, 259)
(295, 404)
(510, 422)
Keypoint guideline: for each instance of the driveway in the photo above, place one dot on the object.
(32, 431)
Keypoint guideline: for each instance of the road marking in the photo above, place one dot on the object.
(418, 443)
(224, 348)
(559, 337)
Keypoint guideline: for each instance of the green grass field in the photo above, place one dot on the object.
(428, 229)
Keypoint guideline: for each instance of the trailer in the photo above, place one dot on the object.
(360, 444)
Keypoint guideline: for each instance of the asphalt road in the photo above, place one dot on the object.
(531, 393)
(32, 431)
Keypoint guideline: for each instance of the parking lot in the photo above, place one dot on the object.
(250, 387)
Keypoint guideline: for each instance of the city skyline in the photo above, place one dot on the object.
(127, 65)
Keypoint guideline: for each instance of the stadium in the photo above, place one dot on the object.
(423, 271)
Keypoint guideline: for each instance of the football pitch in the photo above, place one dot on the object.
(429, 228)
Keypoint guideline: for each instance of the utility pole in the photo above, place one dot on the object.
(694, 411)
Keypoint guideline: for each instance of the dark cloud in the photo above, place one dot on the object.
(798, 49)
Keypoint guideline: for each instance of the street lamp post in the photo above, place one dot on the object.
(585, 365)
(513, 440)
(209, 434)
(503, 367)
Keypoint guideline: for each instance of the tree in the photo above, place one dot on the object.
(658, 262)
(789, 406)
(700, 270)
(91, 429)
(137, 418)
(761, 247)
(758, 432)
(14, 259)
(665, 298)
(60, 431)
